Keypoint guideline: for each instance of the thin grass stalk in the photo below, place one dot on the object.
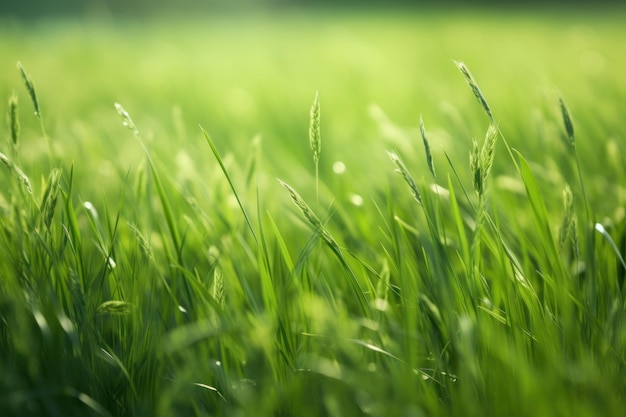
(571, 137)
(471, 81)
(600, 229)
(331, 243)
(230, 182)
(30, 87)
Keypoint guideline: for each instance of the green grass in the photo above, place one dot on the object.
(153, 267)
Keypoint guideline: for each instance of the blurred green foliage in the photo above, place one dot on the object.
(120, 8)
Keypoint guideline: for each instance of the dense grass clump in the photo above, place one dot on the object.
(184, 279)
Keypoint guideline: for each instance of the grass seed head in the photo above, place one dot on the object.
(568, 205)
(402, 170)
(429, 156)
(115, 307)
(567, 121)
(315, 139)
(487, 154)
(19, 174)
(50, 196)
(30, 87)
(127, 120)
(23, 179)
(481, 159)
(219, 293)
(14, 122)
(474, 86)
(476, 167)
(309, 215)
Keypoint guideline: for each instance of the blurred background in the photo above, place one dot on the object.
(250, 68)
(40, 8)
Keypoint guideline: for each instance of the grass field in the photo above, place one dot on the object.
(164, 270)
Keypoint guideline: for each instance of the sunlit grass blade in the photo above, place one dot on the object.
(230, 181)
(600, 229)
(540, 216)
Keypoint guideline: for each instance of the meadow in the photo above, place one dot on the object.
(340, 214)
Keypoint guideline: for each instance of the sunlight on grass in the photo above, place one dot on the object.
(151, 268)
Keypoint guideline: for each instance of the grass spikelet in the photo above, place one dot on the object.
(115, 308)
(568, 204)
(30, 87)
(571, 142)
(127, 120)
(14, 122)
(429, 156)
(219, 293)
(309, 215)
(19, 174)
(488, 151)
(50, 196)
(481, 160)
(402, 170)
(143, 242)
(475, 167)
(315, 139)
(567, 122)
(474, 86)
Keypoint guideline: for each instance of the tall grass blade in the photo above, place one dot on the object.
(540, 215)
(330, 242)
(600, 229)
(230, 181)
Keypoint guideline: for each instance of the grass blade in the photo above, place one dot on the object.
(230, 181)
